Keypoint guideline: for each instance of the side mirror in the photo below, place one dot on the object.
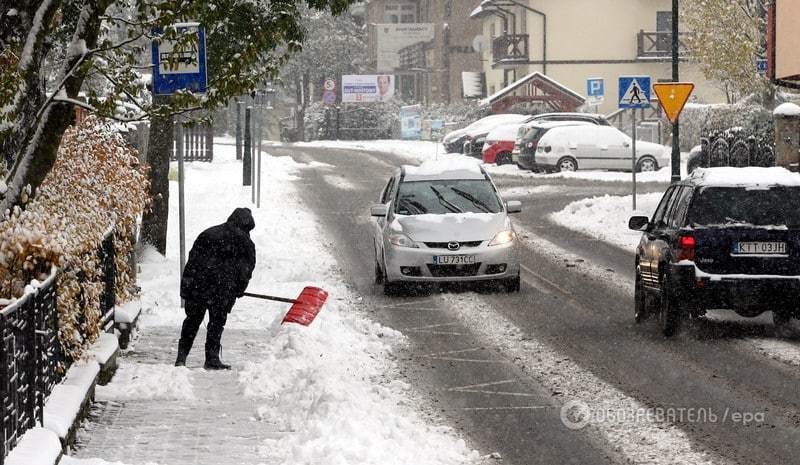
(513, 206)
(379, 210)
(638, 223)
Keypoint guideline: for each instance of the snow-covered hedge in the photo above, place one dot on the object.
(701, 120)
(96, 184)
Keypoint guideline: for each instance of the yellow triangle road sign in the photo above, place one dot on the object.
(672, 96)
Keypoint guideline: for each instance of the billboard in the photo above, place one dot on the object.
(411, 122)
(391, 38)
(361, 88)
(783, 53)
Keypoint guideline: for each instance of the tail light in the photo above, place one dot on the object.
(686, 246)
(530, 145)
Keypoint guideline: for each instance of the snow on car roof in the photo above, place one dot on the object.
(506, 131)
(444, 169)
(744, 177)
(495, 120)
(557, 124)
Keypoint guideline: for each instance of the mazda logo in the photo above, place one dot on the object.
(453, 245)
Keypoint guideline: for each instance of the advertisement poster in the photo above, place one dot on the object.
(411, 122)
(362, 88)
(394, 37)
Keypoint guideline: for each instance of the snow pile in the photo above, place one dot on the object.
(751, 176)
(336, 401)
(787, 109)
(66, 460)
(105, 347)
(606, 218)
(147, 381)
(458, 168)
(38, 446)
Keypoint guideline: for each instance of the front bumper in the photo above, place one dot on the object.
(527, 160)
(747, 295)
(417, 265)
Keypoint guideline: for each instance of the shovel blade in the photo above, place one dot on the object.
(307, 306)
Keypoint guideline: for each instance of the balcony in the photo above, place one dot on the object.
(658, 45)
(510, 50)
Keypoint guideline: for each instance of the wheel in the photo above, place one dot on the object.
(511, 284)
(503, 158)
(646, 164)
(567, 164)
(669, 317)
(641, 310)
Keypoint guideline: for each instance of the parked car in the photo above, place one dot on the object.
(443, 222)
(475, 138)
(723, 238)
(454, 140)
(596, 147)
(592, 118)
(500, 143)
(528, 136)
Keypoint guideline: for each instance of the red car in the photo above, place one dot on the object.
(500, 143)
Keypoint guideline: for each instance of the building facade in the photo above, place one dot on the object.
(570, 41)
(427, 45)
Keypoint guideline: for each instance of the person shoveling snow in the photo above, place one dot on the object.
(219, 268)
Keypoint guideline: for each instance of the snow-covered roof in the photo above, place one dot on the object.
(444, 169)
(745, 177)
(787, 109)
(519, 82)
(491, 121)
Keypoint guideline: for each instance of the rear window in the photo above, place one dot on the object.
(533, 134)
(738, 206)
(447, 196)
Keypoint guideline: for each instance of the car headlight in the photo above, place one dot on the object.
(401, 240)
(503, 237)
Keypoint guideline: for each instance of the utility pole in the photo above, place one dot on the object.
(676, 140)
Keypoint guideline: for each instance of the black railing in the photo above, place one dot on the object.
(510, 49)
(659, 44)
(198, 143)
(30, 354)
(31, 359)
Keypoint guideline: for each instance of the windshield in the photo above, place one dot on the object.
(450, 196)
(732, 206)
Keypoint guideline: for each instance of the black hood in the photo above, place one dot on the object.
(242, 219)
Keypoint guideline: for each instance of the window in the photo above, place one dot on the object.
(669, 215)
(407, 19)
(679, 212)
(387, 191)
(732, 206)
(658, 216)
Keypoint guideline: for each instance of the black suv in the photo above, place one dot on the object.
(724, 238)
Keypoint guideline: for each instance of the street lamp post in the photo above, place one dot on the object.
(676, 145)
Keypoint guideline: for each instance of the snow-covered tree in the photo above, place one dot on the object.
(55, 54)
(334, 45)
(727, 37)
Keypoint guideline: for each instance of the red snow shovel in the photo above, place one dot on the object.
(304, 309)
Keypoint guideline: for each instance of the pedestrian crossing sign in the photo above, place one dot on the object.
(634, 92)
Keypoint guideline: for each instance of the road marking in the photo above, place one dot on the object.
(498, 393)
(522, 407)
(451, 352)
(545, 280)
(530, 277)
(473, 360)
(437, 325)
(475, 386)
(443, 333)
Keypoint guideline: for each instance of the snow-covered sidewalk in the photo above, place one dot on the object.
(329, 393)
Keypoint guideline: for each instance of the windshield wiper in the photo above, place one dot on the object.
(444, 201)
(478, 203)
(414, 204)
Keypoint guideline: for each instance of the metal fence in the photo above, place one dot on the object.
(735, 148)
(31, 359)
(198, 143)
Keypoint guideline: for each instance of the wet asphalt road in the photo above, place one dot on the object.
(585, 316)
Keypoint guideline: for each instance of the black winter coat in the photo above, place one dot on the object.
(221, 261)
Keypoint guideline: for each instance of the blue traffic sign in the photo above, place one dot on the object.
(634, 92)
(761, 65)
(595, 87)
(180, 65)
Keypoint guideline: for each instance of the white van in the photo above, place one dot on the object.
(596, 147)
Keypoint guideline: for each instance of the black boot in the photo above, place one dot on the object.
(212, 359)
(183, 353)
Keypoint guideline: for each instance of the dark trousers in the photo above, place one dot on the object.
(217, 316)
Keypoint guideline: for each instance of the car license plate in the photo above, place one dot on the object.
(759, 248)
(453, 259)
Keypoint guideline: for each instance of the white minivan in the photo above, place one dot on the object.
(596, 147)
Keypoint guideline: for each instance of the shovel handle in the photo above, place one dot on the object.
(269, 297)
